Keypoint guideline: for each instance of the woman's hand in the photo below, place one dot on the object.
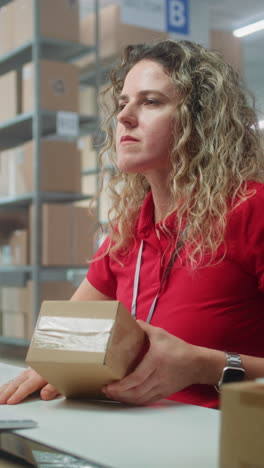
(170, 365)
(23, 385)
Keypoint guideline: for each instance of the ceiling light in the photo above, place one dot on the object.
(250, 29)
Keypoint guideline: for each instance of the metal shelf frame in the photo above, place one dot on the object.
(4, 2)
(18, 342)
(18, 275)
(34, 126)
(21, 129)
(50, 49)
(23, 201)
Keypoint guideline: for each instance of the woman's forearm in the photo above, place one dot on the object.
(210, 365)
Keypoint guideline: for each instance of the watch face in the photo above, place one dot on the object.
(231, 374)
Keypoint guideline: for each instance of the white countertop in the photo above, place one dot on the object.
(167, 434)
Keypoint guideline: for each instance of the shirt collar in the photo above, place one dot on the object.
(145, 222)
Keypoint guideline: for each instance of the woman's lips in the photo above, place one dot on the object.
(128, 139)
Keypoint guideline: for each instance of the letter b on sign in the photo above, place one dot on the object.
(178, 16)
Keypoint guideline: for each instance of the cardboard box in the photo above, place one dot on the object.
(67, 235)
(88, 153)
(14, 325)
(17, 168)
(14, 310)
(57, 20)
(16, 305)
(7, 28)
(18, 242)
(14, 248)
(12, 172)
(87, 100)
(10, 91)
(230, 46)
(81, 346)
(83, 235)
(4, 173)
(12, 220)
(242, 425)
(89, 184)
(60, 166)
(114, 35)
(58, 87)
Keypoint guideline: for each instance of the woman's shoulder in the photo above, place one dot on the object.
(256, 187)
(254, 198)
(247, 214)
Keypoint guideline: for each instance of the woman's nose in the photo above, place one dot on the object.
(128, 116)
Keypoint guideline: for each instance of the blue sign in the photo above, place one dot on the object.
(177, 15)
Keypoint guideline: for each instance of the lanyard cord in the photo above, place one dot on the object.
(172, 259)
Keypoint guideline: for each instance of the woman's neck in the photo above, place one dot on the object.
(162, 202)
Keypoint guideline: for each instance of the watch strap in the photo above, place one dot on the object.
(233, 361)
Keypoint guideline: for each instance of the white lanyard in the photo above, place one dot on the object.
(172, 259)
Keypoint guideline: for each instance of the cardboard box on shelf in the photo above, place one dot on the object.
(14, 248)
(7, 28)
(67, 235)
(230, 46)
(10, 91)
(83, 235)
(89, 184)
(96, 342)
(14, 324)
(4, 172)
(242, 425)
(18, 242)
(114, 35)
(12, 220)
(14, 168)
(88, 153)
(104, 203)
(16, 305)
(14, 310)
(87, 100)
(58, 87)
(60, 168)
(57, 20)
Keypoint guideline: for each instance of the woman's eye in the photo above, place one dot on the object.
(121, 106)
(150, 101)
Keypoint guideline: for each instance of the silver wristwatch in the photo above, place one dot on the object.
(232, 372)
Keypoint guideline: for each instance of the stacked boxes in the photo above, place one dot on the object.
(67, 235)
(60, 168)
(58, 87)
(14, 248)
(57, 20)
(10, 91)
(59, 161)
(16, 305)
(113, 34)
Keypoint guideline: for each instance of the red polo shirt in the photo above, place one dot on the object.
(219, 307)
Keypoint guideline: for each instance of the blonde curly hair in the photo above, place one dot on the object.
(217, 148)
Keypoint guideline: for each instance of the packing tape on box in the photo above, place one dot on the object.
(72, 333)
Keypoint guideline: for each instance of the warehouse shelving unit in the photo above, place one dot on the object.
(20, 129)
(34, 126)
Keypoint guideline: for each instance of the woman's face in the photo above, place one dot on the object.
(144, 129)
